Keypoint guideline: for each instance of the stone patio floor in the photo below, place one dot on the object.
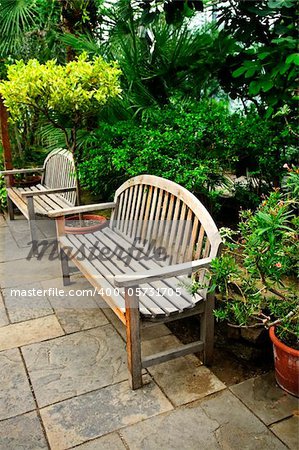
(64, 376)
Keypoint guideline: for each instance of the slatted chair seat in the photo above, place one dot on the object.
(141, 262)
(43, 203)
(57, 189)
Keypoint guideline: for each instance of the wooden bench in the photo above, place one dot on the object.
(126, 263)
(56, 190)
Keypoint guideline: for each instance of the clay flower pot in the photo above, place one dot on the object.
(72, 224)
(30, 180)
(286, 360)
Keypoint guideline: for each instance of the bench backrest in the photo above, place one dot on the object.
(59, 172)
(163, 212)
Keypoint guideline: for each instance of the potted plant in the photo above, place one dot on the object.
(66, 96)
(255, 278)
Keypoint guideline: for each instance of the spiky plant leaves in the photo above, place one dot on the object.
(16, 17)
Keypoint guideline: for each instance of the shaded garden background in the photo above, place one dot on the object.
(208, 89)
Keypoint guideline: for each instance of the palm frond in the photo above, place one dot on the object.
(16, 17)
(50, 137)
(82, 43)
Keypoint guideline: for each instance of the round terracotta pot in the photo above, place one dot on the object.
(286, 361)
(32, 180)
(86, 229)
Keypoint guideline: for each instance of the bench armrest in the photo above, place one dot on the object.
(16, 171)
(47, 191)
(81, 209)
(161, 272)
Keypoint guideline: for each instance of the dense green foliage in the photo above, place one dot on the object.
(158, 59)
(192, 143)
(265, 67)
(256, 275)
(165, 122)
(30, 28)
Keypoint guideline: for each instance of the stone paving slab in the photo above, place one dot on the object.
(15, 394)
(184, 379)
(24, 333)
(3, 316)
(22, 433)
(100, 412)
(288, 431)
(262, 396)
(183, 429)
(154, 332)
(76, 318)
(3, 222)
(9, 250)
(27, 305)
(76, 311)
(23, 271)
(19, 228)
(111, 441)
(238, 427)
(74, 364)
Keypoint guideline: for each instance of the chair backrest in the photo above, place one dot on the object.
(59, 172)
(163, 212)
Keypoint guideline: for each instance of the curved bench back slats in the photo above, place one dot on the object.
(162, 213)
(60, 172)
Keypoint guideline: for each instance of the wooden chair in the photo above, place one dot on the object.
(56, 190)
(149, 213)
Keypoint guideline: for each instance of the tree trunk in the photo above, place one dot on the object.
(68, 27)
(5, 139)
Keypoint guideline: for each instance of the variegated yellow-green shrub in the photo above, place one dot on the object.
(64, 95)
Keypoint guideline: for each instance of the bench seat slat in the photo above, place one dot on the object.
(60, 201)
(98, 276)
(113, 269)
(147, 306)
(118, 266)
(55, 201)
(171, 303)
(39, 209)
(151, 306)
(38, 201)
(42, 204)
(184, 301)
(179, 302)
(92, 275)
(18, 200)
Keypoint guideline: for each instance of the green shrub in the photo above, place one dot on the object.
(172, 143)
(191, 143)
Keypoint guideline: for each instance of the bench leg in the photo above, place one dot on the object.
(207, 330)
(64, 261)
(133, 338)
(10, 207)
(32, 225)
